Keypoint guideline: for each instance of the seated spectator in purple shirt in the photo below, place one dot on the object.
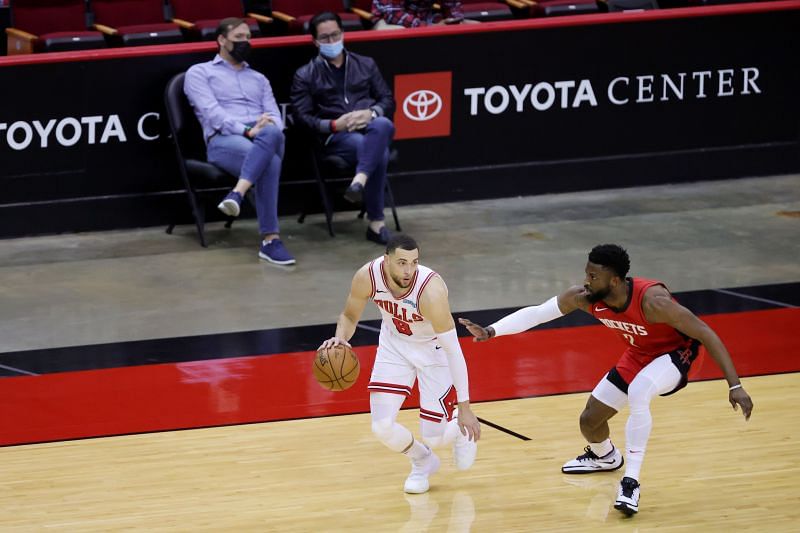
(243, 130)
(399, 14)
(343, 97)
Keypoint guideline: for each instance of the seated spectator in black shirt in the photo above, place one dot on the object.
(343, 96)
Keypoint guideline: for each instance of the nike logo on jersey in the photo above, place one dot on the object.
(597, 309)
(438, 347)
(381, 291)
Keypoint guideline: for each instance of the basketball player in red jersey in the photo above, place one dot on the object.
(662, 339)
(417, 341)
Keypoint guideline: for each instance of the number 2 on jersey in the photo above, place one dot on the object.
(630, 339)
(402, 327)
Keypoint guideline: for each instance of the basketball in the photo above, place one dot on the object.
(336, 368)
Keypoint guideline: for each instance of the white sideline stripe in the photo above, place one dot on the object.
(756, 298)
(18, 370)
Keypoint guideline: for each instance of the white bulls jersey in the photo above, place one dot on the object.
(401, 316)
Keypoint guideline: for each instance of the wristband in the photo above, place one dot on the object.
(333, 126)
(737, 386)
(247, 131)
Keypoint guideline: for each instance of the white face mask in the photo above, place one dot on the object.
(331, 50)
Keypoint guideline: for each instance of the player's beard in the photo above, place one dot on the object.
(596, 296)
(401, 283)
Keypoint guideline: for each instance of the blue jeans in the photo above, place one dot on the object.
(368, 151)
(257, 161)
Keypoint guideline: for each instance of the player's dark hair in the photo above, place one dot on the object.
(398, 240)
(227, 24)
(612, 256)
(319, 18)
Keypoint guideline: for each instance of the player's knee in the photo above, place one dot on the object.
(588, 420)
(382, 429)
(640, 392)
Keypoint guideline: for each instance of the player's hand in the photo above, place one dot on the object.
(468, 422)
(740, 397)
(333, 341)
(480, 333)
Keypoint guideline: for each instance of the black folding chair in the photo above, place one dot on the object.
(332, 171)
(199, 176)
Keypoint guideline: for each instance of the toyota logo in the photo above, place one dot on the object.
(422, 105)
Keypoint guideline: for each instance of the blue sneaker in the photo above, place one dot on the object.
(231, 204)
(274, 252)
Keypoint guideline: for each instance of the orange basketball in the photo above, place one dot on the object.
(336, 368)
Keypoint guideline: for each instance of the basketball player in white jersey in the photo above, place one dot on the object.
(417, 341)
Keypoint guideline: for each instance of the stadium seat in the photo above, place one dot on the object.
(200, 178)
(362, 8)
(296, 14)
(134, 22)
(50, 26)
(489, 11)
(557, 8)
(200, 18)
(630, 5)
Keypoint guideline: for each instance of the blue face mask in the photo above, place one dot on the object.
(331, 50)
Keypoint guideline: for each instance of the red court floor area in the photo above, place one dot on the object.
(71, 405)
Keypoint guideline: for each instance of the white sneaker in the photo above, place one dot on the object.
(589, 462)
(464, 451)
(417, 481)
(628, 496)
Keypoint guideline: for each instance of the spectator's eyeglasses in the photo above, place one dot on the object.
(329, 37)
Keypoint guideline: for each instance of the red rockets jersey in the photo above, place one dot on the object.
(643, 339)
(401, 316)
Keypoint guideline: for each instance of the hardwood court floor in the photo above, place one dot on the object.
(706, 470)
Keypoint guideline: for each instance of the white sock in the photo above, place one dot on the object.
(601, 449)
(417, 450)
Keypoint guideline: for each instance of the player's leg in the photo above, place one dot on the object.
(390, 384)
(607, 398)
(658, 377)
(439, 415)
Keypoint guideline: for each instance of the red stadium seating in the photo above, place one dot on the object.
(135, 22)
(200, 18)
(296, 14)
(50, 26)
(489, 11)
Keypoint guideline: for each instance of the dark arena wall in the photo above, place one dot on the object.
(499, 109)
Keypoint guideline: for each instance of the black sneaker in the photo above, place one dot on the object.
(628, 497)
(354, 193)
(381, 237)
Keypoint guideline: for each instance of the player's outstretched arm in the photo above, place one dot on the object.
(435, 307)
(360, 292)
(658, 306)
(529, 317)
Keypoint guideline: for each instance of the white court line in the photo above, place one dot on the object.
(756, 298)
(19, 370)
(368, 328)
